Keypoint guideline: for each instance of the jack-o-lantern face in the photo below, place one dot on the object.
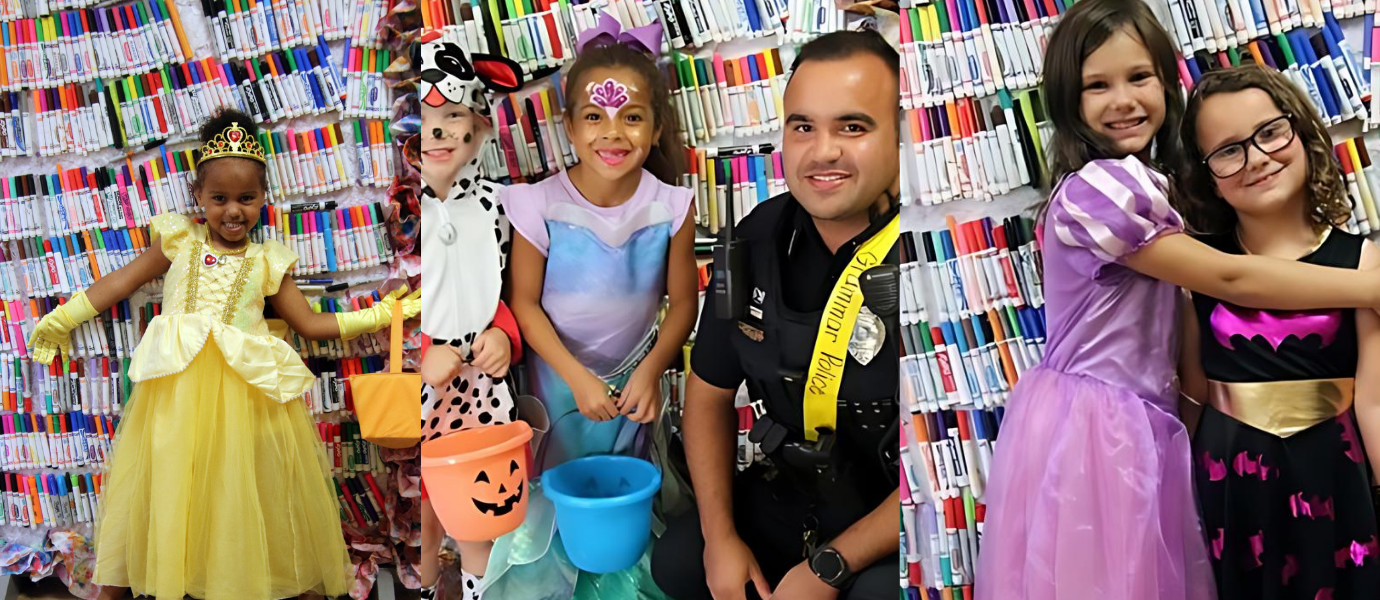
(503, 503)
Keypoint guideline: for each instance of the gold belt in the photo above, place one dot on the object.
(1282, 408)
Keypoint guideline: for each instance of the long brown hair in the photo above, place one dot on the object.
(1081, 31)
(1327, 203)
(666, 160)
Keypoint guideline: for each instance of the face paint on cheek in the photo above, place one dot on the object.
(611, 95)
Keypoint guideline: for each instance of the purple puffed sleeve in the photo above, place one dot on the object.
(1111, 209)
(526, 209)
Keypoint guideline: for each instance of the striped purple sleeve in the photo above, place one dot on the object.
(1112, 208)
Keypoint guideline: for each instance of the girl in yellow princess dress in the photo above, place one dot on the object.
(218, 487)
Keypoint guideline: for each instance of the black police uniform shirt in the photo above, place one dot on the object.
(805, 272)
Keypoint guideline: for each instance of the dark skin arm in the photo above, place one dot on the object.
(292, 306)
(711, 435)
(641, 397)
(711, 425)
(1192, 379)
(682, 286)
(122, 283)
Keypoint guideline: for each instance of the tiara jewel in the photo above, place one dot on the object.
(233, 141)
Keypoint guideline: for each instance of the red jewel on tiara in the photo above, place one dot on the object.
(234, 135)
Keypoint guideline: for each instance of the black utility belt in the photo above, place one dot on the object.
(786, 444)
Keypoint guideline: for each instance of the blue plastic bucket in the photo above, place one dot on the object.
(603, 509)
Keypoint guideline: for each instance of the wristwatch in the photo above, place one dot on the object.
(830, 567)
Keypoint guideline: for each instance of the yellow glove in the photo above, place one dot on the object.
(379, 315)
(54, 332)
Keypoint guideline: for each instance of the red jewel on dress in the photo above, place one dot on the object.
(210, 259)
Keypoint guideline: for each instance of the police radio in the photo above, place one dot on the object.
(729, 270)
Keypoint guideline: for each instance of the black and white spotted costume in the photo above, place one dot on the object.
(465, 244)
(465, 241)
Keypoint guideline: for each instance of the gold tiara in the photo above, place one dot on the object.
(234, 141)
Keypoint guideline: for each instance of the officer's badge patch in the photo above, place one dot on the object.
(869, 333)
(751, 332)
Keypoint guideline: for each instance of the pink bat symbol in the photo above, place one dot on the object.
(1357, 552)
(1291, 568)
(609, 95)
(1217, 469)
(1317, 508)
(1275, 326)
(1257, 547)
(1353, 444)
(1218, 542)
(1244, 465)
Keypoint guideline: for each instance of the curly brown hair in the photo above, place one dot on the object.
(1327, 204)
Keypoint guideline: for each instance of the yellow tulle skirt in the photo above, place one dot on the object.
(218, 492)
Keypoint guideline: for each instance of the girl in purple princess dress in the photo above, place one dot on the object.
(1090, 494)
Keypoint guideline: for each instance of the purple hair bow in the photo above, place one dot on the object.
(609, 31)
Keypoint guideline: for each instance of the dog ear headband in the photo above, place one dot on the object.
(449, 74)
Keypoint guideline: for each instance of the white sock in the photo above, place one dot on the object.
(470, 585)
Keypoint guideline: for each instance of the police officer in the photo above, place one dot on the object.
(818, 518)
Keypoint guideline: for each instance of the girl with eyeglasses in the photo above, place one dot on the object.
(1091, 489)
(1279, 466)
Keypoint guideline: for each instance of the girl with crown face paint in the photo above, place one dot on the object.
(217, 487)
(465, 243)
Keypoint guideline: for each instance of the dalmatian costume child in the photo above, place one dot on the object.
(465, 238)
(465, 242)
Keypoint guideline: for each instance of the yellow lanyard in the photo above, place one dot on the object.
(836, 329)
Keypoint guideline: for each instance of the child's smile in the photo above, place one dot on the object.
(232, 194)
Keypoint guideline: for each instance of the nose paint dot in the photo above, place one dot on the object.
(437, 133)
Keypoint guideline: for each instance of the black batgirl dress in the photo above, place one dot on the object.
(1281, 475)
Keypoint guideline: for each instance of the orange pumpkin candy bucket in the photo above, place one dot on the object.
(477, 479)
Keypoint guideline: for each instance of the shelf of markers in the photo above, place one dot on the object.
(332, 392)
(58, 441)
(43, 500)
(287, 84)
(366, 92)
(327, 238)
(174, 99)
(529, 138)
(977, 148)
(355, 462)
(972, 313)
(744, 176)
(1213, 26)
(941, 534)
(542, 33)
(736, 96)
(356, 348)
(317, 161)
(19, 9)
(242, 29)
(75, 201)
(83, 45)
(1363, 185)
(47, 267)
(332, 240)
(89, 385)
(1320, 63)
(977, 50)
